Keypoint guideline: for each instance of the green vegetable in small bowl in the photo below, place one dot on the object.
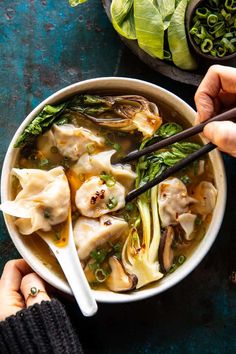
(211, 28)
(158, 26)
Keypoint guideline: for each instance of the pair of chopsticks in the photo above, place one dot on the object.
(134, 155)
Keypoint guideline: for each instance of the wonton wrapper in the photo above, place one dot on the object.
(72, 142)
(95, 164)
(94, 195)
(43, 201)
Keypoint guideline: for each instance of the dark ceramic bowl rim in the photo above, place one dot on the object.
(188, 22)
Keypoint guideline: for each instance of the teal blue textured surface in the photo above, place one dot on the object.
(46, 45)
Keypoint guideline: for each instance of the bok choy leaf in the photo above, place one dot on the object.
(140, 253)
(149, 28)
(166, 8)
(40, 124)
(169, 129)
(177, 39)
(122, 15)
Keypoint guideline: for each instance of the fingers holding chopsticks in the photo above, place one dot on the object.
(222, 134)
(216, 93)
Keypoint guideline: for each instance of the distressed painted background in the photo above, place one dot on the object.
(46, 45)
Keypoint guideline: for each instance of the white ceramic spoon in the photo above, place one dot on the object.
(69, 261)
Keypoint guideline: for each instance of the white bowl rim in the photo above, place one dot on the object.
(106, 296)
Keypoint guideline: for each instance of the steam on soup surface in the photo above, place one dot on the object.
(68, 160)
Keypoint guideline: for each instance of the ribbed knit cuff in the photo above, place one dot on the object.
(41, 328)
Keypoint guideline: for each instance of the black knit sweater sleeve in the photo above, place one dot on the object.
(41, 328)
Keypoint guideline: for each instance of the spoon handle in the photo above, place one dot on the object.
(71, 266)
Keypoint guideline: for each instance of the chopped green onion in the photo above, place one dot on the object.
(112, 202)
(101, 275)
(221, 51)
(185, 179)
(181, 259)
(167, 55)
(230, 5)
(43, 162)
(228, 45)
(108, 179)
(213, 52)
(99, 255)
(214, 27)
(172, 268)
(212, 19)
(129, 207)
(117, 248)
(90, 148)
(202, 12)
(226, 15)
(117, 147)
(206, 45)
(93, 266)
(54, 149)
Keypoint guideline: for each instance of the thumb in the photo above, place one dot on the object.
(222, 134)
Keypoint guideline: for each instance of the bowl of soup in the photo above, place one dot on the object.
(67, 155)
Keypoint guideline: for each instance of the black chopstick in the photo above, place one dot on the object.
(170, 171)
(228, 115)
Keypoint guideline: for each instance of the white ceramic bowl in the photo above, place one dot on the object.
(159, 95)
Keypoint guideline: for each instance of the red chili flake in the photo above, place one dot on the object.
(93, 200)
(107, 222)
(98, 194)
(102, 194)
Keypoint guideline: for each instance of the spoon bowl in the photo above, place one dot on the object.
(65, 253)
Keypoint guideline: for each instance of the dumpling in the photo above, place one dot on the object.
(72, 142)
(95, 164)
(205, 194)
(43, 201)
(124, 174)
(94, 198)
(91, 233)
(47, 146)
(187, 222)
(173, 200)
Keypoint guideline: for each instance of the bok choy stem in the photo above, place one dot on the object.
(156, 227)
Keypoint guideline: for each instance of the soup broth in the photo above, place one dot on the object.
(147, 238)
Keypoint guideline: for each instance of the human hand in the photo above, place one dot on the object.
(216, 93)
(16, 281)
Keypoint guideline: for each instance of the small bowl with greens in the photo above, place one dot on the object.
(211, 29)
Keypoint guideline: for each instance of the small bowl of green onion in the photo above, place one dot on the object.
(211, 29)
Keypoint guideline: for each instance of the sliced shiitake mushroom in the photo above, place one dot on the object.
(118, 280)
(165, 252)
